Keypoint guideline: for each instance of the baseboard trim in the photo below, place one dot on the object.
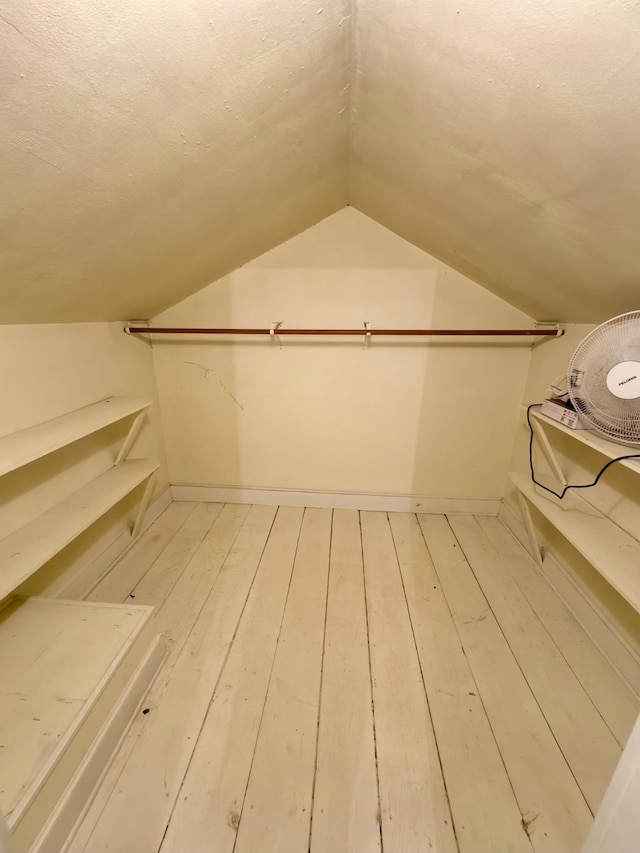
(583, 606)
(334, 500)
(85, 580)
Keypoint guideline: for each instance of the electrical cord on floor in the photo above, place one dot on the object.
(566, 488)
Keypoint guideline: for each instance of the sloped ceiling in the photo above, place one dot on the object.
(147, 147)
(504, 137)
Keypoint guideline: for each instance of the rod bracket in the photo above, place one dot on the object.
(273, 333)
(547, 326)
(367, 335)
(137, 324)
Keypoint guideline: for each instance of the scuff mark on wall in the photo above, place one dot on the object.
(209, 370)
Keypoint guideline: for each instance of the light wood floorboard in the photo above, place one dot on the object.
(119, 583)
(346, 805)
(140, 804)
(485, 811)
(583, 736)
(413, 800)
(207, 811)
(611, 696)
(276, 814)
(344, 682)
(553, 807)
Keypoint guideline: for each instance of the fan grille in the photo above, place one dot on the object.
(616, 341)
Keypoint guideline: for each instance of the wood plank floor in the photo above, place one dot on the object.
(344, 682)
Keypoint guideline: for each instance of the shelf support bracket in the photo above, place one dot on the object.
(142, 509)
(127, 444)
(549, 454)
(536, 550)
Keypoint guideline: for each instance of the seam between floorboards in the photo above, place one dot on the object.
(158, 677)
(531, 690)
(186, 565)
(226, 657)
(324, 643)
(553, 640)
(273, 662)
(505, 561)
(424, 685)
(373, 709)
(473, 677)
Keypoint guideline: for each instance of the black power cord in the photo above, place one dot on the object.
(566, 488)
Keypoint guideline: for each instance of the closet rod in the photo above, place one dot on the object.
(175, 330)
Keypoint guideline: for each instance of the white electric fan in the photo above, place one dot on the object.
(603, 379)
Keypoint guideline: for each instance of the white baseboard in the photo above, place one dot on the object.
(583, 606)
(86, 579)
(334, 500)
(156, 506)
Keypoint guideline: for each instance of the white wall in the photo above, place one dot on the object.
(402, 417)
(45, 371)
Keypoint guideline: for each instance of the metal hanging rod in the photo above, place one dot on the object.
(554, 332)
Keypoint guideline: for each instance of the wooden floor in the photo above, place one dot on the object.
(343, 681)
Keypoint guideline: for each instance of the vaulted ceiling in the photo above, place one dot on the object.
(148, 147)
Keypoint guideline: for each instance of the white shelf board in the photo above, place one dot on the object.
(590, 438)
(609, 549)
(55, 654)
(27, 549)
(27, 445)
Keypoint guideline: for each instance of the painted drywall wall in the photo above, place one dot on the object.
(617, 494)
(400, 417)
(46, 371)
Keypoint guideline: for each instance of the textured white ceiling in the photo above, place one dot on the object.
(503, 136)
(147, 147)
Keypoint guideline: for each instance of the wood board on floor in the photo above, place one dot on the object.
(345, 803)
(154, 587)
(120, 581)
(611, 696)
(427, 651)
(413, 801)
(176, 618)
(485, 811)
(586, 741)
(164, 745)
(207, 811)
(554, 810)
(276, 816)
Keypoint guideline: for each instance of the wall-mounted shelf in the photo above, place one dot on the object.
(23, 552)
(71, 673)
(27, 549)
(609, 549)
(27, 445)
(613, 552)
(610, 449)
